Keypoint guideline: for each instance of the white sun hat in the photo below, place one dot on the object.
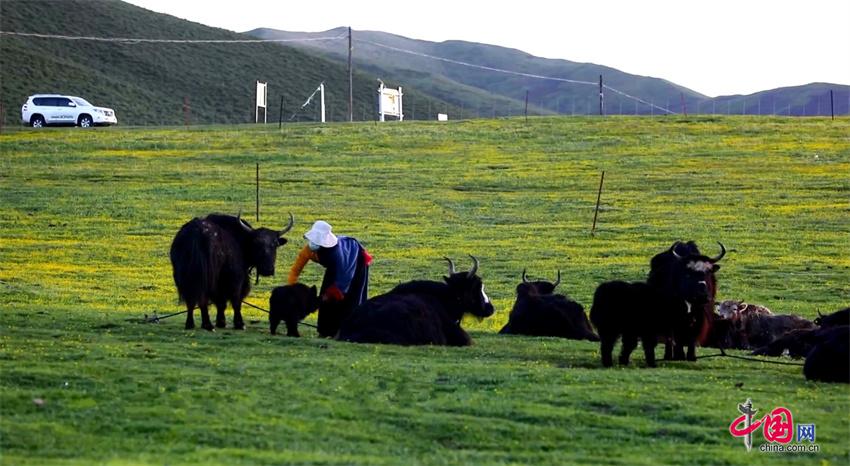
(321, 234)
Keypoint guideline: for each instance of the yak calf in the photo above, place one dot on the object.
(291, 304)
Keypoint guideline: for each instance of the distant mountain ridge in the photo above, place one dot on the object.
(475, 89)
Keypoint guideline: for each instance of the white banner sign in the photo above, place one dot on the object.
(390, 102)
(261, 94)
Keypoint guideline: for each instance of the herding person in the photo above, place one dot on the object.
(346, 281)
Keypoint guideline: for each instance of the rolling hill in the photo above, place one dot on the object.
(484, 91)
(147, 82)
(808, 100)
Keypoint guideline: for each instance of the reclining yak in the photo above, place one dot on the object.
(420, 312)
(539, 312)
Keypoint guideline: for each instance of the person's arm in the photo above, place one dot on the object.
(304, 256)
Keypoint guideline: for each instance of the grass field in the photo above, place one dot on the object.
(87, 217)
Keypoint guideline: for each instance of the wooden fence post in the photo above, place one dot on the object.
(186, 111)
(598, 198)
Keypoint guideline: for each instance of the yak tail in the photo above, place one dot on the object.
(190, 260)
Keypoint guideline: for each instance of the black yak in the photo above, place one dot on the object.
(685, 280)
(539, 312)
(829, 360)
(750, 330)
(291, 304)
(835, 319)
(804, 335)
(797, 343)
(212, 258)
(630, 310)
(420, 312)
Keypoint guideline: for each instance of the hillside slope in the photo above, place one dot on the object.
(398, 55)
(146, 82)
(807, 100)
(381, 52)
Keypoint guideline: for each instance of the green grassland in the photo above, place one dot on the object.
(87, 217)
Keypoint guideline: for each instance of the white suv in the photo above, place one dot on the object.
(55, 109)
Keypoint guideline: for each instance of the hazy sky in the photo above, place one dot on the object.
(715, 47)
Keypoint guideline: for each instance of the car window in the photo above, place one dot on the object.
(42, 101)
(63, 102)
(82, 102)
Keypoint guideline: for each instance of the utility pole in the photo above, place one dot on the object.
(601, 98)
(831, 105)
(322, 98)
(350, 85)
(526, 108)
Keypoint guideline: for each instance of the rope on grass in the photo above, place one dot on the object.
(155, 318)
(722, 353)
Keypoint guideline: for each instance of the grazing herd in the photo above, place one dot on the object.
(212, 258)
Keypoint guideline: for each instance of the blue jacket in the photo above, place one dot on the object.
(342, 263)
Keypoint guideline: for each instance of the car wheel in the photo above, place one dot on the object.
(37, 121)
(85, 121)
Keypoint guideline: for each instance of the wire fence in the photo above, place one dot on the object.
(592, 102)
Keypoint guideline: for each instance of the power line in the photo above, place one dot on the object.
(131, 40)
(637, 99)
(473, 65)
(515, 73)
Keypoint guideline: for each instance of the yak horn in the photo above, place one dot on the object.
(722, 253)
(451, 266)
(524, 278)
(242, 223)
(288, 227)
(474, 266)
(673, 249)
(558, 281)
